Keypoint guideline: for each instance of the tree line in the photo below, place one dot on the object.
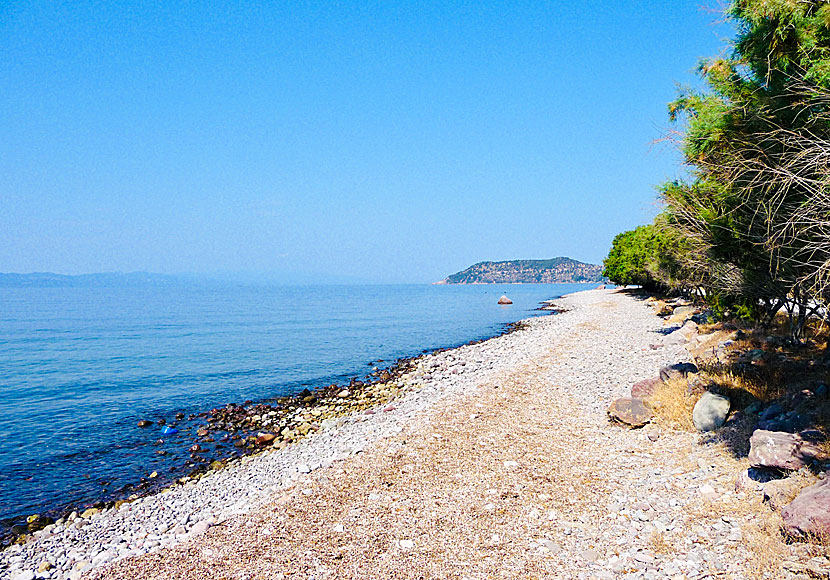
(748, 229)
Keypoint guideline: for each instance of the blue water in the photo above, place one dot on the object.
(79, 367)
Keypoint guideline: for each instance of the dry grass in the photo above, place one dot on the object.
(674, 400)
(673, 406)
(760, 528)
(763, 539)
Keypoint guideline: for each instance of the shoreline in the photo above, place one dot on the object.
(358, 387)
(468, 444)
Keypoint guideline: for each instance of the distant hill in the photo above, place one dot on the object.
(106, 280)
(553, 271)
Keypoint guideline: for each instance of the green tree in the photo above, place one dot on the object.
(757, 144)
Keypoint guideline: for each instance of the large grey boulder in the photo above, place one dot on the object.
(780, 450)
(809, 514)
(630, 411)
(710, 411)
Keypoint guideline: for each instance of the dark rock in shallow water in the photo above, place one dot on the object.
(630, 411)
(265, 438)
(145, 423)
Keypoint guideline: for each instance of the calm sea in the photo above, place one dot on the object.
(79, 367)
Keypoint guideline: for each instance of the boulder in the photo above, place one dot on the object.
(682, 335)
(710, 411)
(809, 514)
(780, 450)
(630, 411)
(645, 389)
(681, 313)
(505, 300)
(678, 370)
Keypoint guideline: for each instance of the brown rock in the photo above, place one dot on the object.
(265, 438)
(505, 300)
(809, 514)
(780, 450)
(145, 423)
(645, 389)
(630, 411)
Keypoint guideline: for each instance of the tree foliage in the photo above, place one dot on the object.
(647, 256)
(754, 214)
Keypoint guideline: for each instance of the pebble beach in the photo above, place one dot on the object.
(493, 460)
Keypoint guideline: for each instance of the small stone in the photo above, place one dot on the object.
(303, 468)
(90, 512)
(200, 527)
(406, 544)
(590, 555)
(548, 546)
(339, 528)
(343, 394)
(144, 423)
(653, 433)
(511, 464)
(44, 566)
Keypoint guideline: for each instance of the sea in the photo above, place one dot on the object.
(80, 366)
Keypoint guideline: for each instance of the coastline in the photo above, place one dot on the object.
(174, 460)
(502, 464)
(362, 402)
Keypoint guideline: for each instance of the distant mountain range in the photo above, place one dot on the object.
(105, 280)
(554, 271)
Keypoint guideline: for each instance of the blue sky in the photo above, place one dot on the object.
(383, 141)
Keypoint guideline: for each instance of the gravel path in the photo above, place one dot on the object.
(497, 461)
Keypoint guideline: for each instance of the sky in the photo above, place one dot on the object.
(374, 141)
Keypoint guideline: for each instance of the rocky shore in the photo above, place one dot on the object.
(495, 459)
